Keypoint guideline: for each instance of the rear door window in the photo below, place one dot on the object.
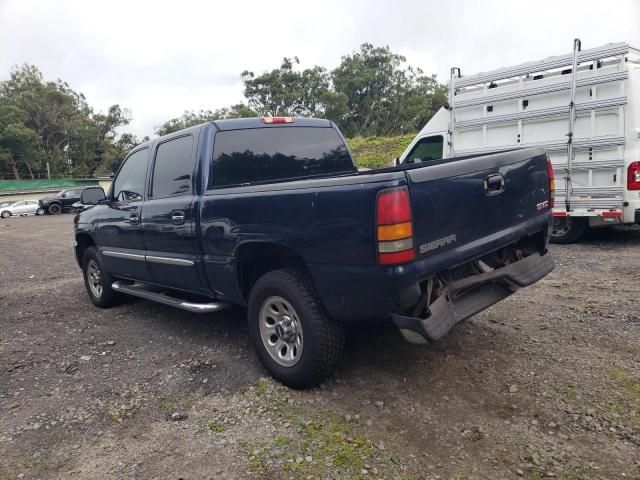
(277, 153)
(129, 184)
(173, 168)
(428, 148)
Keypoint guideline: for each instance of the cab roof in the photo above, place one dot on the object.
(241, 124)
(256, 122)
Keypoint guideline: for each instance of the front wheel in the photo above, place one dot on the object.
(98, 281)
(55, 209)
(296, 340)
(568, 229)
(5, 214)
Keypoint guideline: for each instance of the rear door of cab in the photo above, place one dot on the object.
(169, 219)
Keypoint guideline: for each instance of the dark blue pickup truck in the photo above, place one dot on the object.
(271, 214)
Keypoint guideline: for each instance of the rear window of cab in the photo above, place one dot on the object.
(277, 154)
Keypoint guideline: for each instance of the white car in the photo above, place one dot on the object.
(22, 207)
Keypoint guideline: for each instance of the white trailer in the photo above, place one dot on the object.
(583, 108)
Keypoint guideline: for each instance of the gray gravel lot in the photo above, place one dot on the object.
(545, 384)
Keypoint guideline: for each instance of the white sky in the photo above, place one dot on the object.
(161, 58)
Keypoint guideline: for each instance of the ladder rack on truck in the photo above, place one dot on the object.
(583, 107)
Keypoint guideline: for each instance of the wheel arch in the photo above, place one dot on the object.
(84, 240)
(254, 259)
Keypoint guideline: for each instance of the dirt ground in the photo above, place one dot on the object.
(544, 384)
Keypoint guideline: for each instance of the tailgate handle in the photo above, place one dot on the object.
(494, 184)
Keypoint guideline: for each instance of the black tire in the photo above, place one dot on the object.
(568, 229)
(40, 211)
(323, 336)
(55, 209)
(108, 297)
(5, 214)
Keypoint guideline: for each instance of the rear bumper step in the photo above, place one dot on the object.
(146, 292)
(464, 298)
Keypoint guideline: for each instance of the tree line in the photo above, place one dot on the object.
(46, 128)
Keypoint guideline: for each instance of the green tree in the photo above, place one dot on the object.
(19, 145)
(286, 92)
(190, 119)
(116, 151)
(383, 97)
(71, 137)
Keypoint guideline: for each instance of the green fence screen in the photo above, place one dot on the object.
(7, 186)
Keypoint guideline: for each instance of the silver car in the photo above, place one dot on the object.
(21, 207)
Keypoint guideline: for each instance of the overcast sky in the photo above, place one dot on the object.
(162, 58)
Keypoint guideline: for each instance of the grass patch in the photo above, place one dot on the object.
(257, 458)
(314, 443)
(112, 413)
(262, 387)
(214, 426)
(377, 152)
(627, 389)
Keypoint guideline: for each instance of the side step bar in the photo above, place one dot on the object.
(146, 292)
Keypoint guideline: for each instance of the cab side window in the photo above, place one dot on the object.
(428, 148)
(173, 168)
(129, 184)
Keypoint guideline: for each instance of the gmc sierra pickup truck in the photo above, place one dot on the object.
(272, 214)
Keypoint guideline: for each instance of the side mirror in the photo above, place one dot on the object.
(396, 161)
(92, 196)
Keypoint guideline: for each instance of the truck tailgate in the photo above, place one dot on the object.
(466, 201)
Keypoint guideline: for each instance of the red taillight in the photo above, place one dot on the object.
(633, 176)
(276, 120)
(396, 258)
(552, 183)
(393, 227)
(394, 206)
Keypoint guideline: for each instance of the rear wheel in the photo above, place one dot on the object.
(296, 340)
(98, 281)
(40, 211)
(55, 209)
(568, 229)
(5, 214)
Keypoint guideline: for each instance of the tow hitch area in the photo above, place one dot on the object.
(460, 299)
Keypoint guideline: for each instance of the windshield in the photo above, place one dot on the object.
(60, 194)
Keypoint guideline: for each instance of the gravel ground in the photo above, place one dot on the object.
(544, 384)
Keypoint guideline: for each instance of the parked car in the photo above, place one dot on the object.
(531, 104)
(21, 207)
(272, 214)
(62, 201)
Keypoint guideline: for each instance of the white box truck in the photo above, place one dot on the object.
(583, 108)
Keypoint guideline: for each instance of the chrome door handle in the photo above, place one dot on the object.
(134, 219)
(177, 217)
(493, 184)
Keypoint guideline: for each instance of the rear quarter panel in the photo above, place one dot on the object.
(324, 221)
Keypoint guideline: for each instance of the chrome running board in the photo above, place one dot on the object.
(146, 292)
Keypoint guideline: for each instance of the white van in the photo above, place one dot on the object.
(530, 104)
